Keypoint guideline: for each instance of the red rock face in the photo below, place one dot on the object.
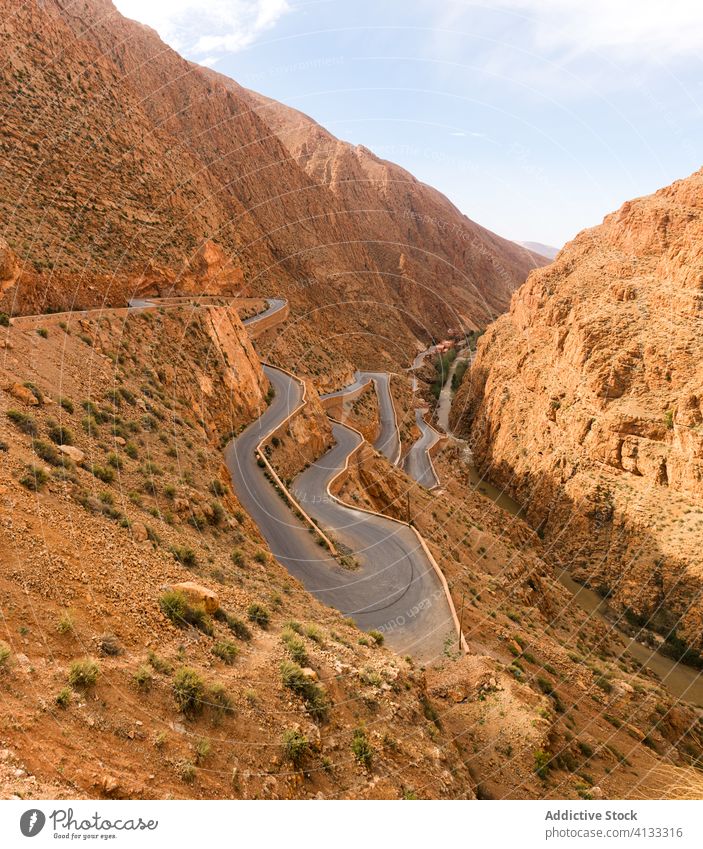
(123, 160)
(585, 401)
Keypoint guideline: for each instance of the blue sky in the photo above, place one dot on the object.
(535, 117)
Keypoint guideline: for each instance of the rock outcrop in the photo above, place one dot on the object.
(586, 403)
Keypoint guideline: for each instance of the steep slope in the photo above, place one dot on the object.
(127, 168)
(437, 256)
(585, 403)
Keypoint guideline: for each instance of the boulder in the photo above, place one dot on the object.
(72, 453)
(21, 393)
(198, 594)
(139, 532)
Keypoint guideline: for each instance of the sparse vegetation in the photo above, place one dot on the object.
(226, 650)
(23, 421)
(295, 647)
(59, 434)
(295, 747)
(542, 763)
(143, 678)
(4, 656)
(176, 607)
(361, 748)
(65, 623)
(312, 694)
(83, 674)
(63, 698)
(259, 615)
(34, 478)
(189, 691)
(185, 555)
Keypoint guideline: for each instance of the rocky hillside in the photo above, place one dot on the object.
(151, 639)
(417, 238)
(585, 402)
(125, 168)
(148, 636)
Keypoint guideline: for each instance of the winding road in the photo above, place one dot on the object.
(395, 590)
(388, 440)
(417, 463)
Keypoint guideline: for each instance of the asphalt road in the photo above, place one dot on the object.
(394, 590)
(388, 441)
(417, 461)
(274, 305)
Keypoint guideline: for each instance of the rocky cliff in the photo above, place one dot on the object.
(438, 262)
(126, 168)
(584, 401)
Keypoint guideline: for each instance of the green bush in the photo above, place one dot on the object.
(542, 763)
(158, 664)
(66, 404)
(217, 488)
(295, 647)
(361, 748)
(237, 627)
(4, 655)
(226, 650)
(189, 691)
(23, 421)
(92, 410)
(115, 461)
(218, 699)
(103, 473)
(83, 673)
(312, 632)
(176, 607)
(258, 614)
(4, 319)
(35, 390)
(295, 747)
(64, 698)
(49, 454)
(377, 637)
(312, 694)
(187, 771)
(143, 678)
(34, 478)
(185, 555)
(59, 434)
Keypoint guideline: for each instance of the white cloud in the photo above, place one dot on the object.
(642, 29)
(202, 28)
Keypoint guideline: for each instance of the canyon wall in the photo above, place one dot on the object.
(126, 169)
(584, 402)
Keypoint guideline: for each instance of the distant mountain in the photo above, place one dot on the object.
(542, 250)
